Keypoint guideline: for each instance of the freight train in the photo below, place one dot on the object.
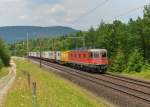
(86, 60)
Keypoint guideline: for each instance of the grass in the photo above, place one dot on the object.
(52, 91)
(144, 74)
(4, 71)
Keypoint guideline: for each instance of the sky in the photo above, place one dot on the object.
(67, 12)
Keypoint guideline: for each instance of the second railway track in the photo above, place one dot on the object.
(136, 89)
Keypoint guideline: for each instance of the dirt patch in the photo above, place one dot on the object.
(7, 81)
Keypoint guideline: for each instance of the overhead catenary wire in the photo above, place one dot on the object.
(122, 14)
(90, 11)
(129, 11)
(125, 13)
(113, 17)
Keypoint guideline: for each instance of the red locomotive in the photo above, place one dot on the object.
(92, 59)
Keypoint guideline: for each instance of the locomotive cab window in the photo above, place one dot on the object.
(103, 54)
(96, 55)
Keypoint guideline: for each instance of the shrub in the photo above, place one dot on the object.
(146, 67)
(1, 63)
(4, 53)
(135, 61)
(118, 62)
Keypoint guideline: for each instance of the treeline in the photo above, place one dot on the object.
(128, 44)
(4, 54)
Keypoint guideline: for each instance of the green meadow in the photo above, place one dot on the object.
(51, 90)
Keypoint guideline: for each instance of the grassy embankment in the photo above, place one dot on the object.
(52, 91)
(144, 74)
(4, 71)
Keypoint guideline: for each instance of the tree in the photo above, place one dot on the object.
(4, 53)
(1, 63)
(91, 38)
(118, 62)
(147, 12)
(135, 61)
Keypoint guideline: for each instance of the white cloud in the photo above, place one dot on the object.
(56, 8)
(68, 19)
(49, 9)
(10, 1)
(23, 17)
(27, 12)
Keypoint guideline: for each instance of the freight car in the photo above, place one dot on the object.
(87, 60)
(65, 57)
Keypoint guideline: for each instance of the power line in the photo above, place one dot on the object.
(90, 11)
(125, 13)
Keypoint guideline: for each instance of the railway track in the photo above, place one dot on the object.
(136, 89)
(129, 80)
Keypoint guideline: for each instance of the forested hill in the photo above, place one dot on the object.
(13, 33)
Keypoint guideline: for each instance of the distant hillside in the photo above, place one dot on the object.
(13, 33)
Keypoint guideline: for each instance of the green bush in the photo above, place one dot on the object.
(135, 61)
(118, 62)
(146, 67)
(1, 63)
(4, 53)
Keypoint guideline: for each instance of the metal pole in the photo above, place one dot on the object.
(15, 47)
(27, 44)
(53, 44)
(76, 44)
(84, 42)
(40, 54)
